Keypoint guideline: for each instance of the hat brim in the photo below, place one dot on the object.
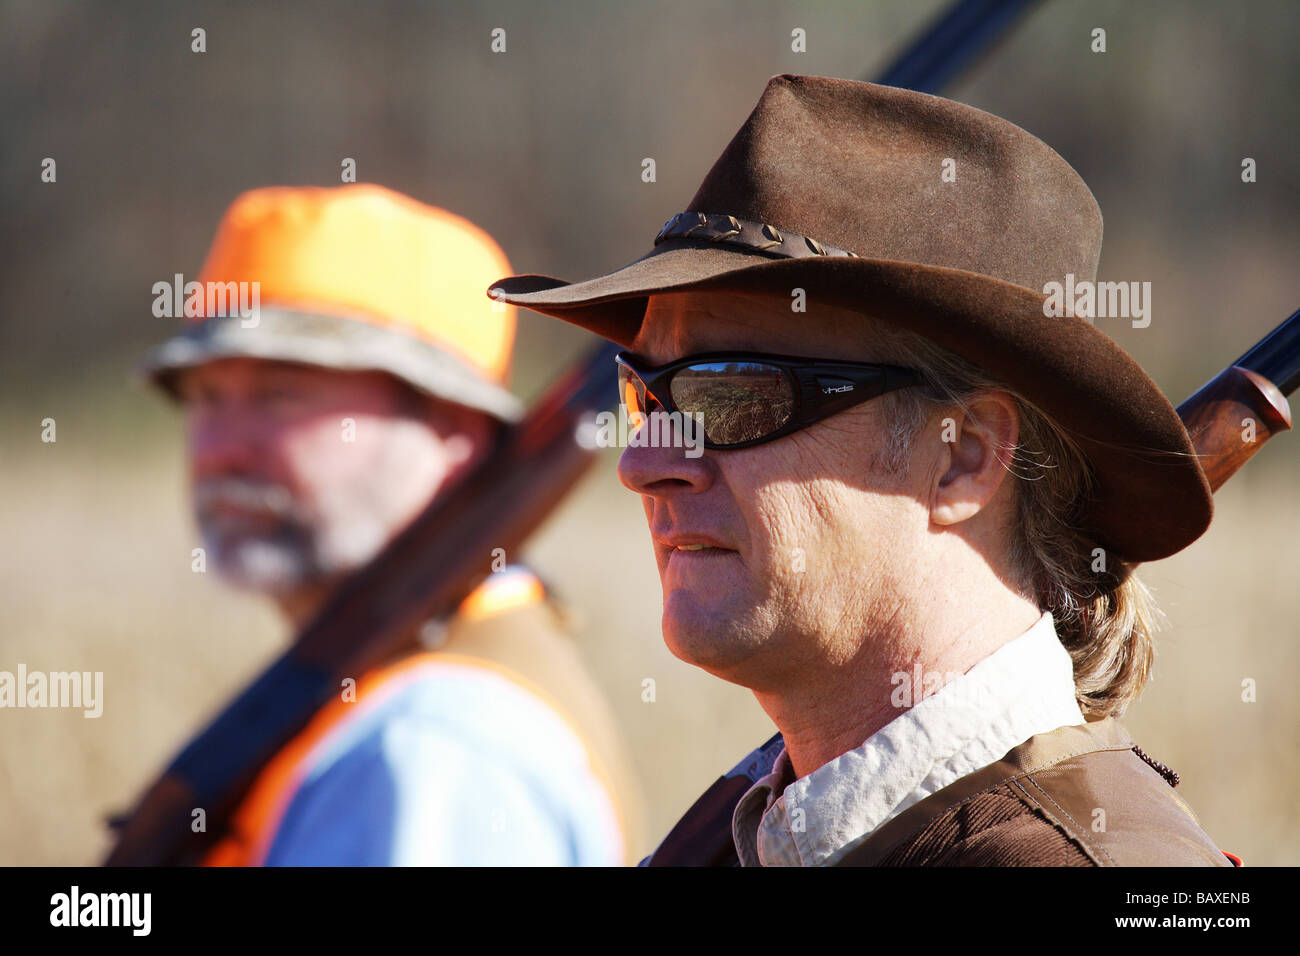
(329, 341)
(1151, 497)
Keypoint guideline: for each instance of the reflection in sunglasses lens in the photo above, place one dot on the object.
(630, 395)
(739, 401)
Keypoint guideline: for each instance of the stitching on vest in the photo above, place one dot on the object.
(1077, 837)
(1159, 766)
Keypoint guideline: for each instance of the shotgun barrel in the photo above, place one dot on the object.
(1277, 356)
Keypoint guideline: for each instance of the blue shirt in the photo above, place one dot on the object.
(450, 763)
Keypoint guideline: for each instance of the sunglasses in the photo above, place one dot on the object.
(747, 398)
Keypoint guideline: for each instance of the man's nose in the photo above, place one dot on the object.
(659, 471)
(225, 443)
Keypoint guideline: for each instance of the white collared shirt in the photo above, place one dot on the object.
(1026, 687)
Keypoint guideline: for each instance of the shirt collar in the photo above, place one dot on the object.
(1026, 687)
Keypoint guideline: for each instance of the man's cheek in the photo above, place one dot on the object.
(801, 512)
(783, 542)
(831, 450)
(327, 447)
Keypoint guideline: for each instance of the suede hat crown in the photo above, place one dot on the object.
(836, 187)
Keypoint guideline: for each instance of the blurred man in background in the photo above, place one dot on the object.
(361, 376)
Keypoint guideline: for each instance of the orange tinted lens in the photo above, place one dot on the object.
(631, 396)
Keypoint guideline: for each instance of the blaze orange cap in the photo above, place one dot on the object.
(358, 276)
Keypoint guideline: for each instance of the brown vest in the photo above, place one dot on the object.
(1076, 796)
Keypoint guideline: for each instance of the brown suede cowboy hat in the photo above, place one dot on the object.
(835, 187)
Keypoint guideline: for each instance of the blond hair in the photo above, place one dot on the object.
(1105, 617)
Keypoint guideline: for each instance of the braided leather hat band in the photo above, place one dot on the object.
(746, 234)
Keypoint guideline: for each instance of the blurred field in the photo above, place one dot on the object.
(542, 146)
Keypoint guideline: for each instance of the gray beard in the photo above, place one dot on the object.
(282, 556)
(292, 550)
(283, 561)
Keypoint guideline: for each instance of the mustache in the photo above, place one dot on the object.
(266, 497)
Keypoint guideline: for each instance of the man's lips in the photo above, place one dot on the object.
(690, 543)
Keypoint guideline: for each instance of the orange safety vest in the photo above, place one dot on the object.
(505, 626)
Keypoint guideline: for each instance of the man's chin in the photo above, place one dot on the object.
(708, 638)
(263, 568)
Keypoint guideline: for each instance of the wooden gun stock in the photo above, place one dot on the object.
(1232, 415)
(1229, 419)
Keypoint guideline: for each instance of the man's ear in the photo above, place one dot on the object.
(979, 441)
(467, 434)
